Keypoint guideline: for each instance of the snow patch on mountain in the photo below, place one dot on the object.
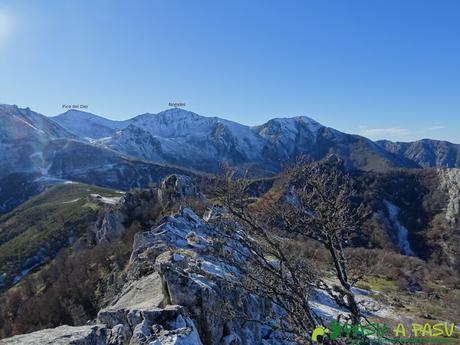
(402, 234)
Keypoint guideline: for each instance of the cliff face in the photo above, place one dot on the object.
(450, 184)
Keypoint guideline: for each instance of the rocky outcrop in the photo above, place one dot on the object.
(450, 184)
(179, 290)
(182, 251)
(111, 227)
(134, 205)
(146, 324)
(177, 282)
(140, 205)
(178, 187)
(64, 335)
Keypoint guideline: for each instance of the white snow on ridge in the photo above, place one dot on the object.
(71, 201)
(88, 126)
(52, 180)
(327, 309)
(106, 200)
(28, 124)
(402, 235)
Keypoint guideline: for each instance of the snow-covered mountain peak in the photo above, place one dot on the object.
(173, 123)
(178, 112)
(74, 114)
(18, 122)
(8, 107)
(174, 114)
(88, 125)
(14, 110)
(78, 115)
(293, 122)
(282, 129)
(308, 120)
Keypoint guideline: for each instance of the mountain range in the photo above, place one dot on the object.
(186, 139)
(81, 146)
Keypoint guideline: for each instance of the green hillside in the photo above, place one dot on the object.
(36, 230)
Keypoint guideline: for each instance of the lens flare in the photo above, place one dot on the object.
(6, 25)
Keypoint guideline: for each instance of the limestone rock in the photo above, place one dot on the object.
(63, 335)
(111, 227)
(450, 184)
(178, 291)
(176, 187)
(199, 280)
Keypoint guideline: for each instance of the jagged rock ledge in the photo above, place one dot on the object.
(177, 291)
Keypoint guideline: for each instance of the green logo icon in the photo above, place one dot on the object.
(319, 331)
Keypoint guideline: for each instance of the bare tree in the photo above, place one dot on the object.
(268, 269)
(320, 205)
(324, 207)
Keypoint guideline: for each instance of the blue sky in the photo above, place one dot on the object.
(381, 68)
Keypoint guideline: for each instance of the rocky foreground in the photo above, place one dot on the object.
(177, 291)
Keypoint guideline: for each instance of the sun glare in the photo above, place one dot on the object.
(6, 25)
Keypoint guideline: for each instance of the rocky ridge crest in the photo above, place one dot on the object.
(178, 289)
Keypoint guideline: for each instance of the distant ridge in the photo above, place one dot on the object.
(34, 143)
